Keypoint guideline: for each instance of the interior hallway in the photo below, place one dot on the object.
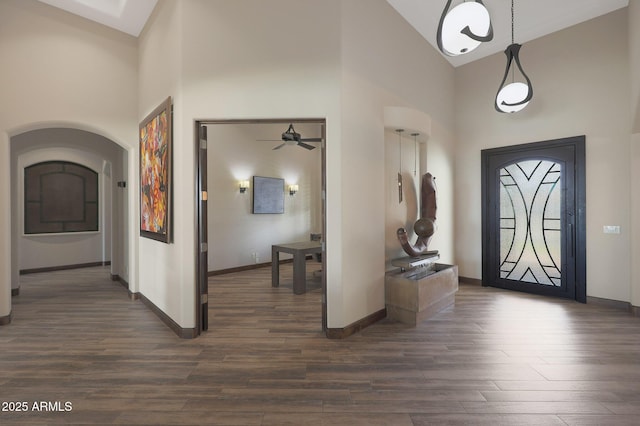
(496, 358)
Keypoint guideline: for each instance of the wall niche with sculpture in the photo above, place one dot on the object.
(420, 286)
(60, 197)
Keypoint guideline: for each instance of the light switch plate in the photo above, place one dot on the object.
(611, 229)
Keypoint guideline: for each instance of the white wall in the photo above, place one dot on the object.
(235, 152)
(386, 63)
(580, 78)
(634, 74)
(633, 11)
(167, 271)
(59, 70)
(331, 62)
(239, 65)
(233, 65)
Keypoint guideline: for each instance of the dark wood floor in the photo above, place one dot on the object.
(495, 358)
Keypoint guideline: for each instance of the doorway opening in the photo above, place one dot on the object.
(259, 184)
(533, 218)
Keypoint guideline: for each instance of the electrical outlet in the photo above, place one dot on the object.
(611, 229)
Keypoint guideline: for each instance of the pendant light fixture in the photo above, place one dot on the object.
(463, 28)
(514, 96)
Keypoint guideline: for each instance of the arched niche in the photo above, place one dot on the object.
(410, 120)
(89, 147)
(405, 157)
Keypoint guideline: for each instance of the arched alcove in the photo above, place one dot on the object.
(110, 243)
(406, 134)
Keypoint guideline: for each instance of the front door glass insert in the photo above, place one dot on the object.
(530, 222)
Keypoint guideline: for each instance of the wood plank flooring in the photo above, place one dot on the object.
(495, 358)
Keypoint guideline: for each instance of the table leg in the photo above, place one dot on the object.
(275, 268)
(299, 273)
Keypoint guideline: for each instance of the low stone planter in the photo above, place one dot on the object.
(417, 294)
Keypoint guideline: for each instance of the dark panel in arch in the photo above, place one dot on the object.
(60, 197)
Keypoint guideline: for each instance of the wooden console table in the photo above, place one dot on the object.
(299, 251)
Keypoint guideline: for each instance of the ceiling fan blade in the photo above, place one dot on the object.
(311, 140)
(268, 140)
(307, 146)
(279, 146)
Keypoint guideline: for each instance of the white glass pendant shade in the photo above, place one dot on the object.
(510, 96)
(463, 28)
(514, 96)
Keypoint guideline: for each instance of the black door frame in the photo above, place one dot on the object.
(202, 249)
(577, 236)
(201, 196)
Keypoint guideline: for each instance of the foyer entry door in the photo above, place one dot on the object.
(533, 218)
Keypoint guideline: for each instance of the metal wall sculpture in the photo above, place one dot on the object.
(425, 226)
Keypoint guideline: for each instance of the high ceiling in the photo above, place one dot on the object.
(533, 19)
(128, 16)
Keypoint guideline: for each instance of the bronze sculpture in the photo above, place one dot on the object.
(425, 226)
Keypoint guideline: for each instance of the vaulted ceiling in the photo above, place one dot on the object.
(533, 18)
(128, 16)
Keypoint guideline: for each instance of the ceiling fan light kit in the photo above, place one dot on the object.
(463, 28)
(291, 137)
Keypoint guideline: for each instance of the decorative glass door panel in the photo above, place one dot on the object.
(530, 222)
(533, 218)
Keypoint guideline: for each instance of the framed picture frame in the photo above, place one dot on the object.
(155, 173)
(268, 195)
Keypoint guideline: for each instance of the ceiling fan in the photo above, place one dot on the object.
(291, 137)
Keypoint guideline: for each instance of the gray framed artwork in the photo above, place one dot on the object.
(268, 195)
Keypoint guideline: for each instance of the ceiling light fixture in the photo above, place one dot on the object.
(463, 28)
(516, 95)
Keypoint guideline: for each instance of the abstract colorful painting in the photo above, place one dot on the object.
(155, 174)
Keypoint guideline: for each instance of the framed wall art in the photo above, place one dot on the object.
(155, 173)
(268, 195)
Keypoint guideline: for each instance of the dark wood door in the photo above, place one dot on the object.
(534, 218)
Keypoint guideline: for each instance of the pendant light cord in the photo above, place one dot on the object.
(513, 75)
(512, 39)
(399, 131)
(415, 153)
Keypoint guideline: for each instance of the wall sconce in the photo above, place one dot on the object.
(244, 184)
(293, 189)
